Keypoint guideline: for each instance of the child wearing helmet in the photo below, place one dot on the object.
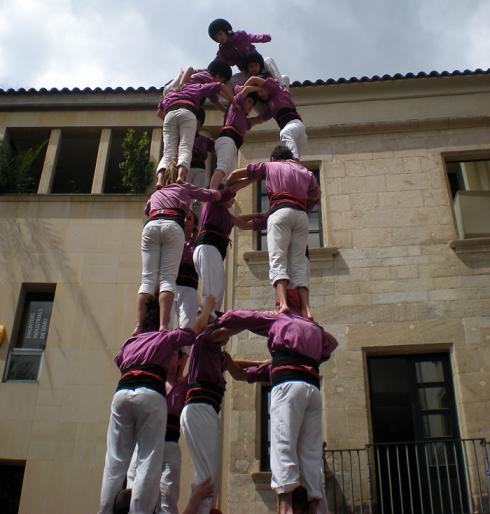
(233, 45)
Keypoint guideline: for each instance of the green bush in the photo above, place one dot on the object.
(136, 168)
(16, 168)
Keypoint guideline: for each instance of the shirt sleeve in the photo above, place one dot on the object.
(259, 38)
(256, 170)
(313, 193)
(258, 322)
(329, 344)
(203, 194)
(271, 85)
(182, 337)
(260, 373)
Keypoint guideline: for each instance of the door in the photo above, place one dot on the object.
(417, 450)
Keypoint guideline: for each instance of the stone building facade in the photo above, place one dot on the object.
(400, 274)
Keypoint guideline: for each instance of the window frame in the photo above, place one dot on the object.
(29, 293)
(265, 435)
(454, 180)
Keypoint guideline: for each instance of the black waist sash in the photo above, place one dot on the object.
(173, 428)
(150, 376)
(182, 104)
(205, 392)
(197, 163)
(212, 235)
(285, 115)
(187, 275)
(229, 131)
(293, 367)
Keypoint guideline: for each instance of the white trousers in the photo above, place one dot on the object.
(200, 427)
(226, 155)
(186, 305)
(162, 243)
(198, 177)
(296, 438)
(179, 130)
(169, 480)
(211, 271)
(138, 416)
(293, 135)
(287, 238)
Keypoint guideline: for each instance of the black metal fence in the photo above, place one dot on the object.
(424, 477)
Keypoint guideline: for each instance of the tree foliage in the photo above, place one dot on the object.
(136, 167)
(16, 168)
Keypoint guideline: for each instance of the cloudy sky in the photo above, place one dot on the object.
(111, 43)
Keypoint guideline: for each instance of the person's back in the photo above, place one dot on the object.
(288, 176)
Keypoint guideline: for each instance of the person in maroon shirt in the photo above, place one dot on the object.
(281, 107)
(203, 146)
(297, 346)
(179, 119)
(162, 242)
(293, 191)
(233, 45)
(139, 413)
(232, 133)
(215, 226)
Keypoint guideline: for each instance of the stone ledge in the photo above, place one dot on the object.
(316, 254)
(262, 479)
(473, 245)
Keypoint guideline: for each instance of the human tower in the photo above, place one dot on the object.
(172, 378)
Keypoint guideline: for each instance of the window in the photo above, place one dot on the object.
(412, 398)
(11, 478)
(315, 239)
(26, 154)
(469, 183)
(113, 178)
(76, 161)
(416, 448)
(24, 358)
(265, 428)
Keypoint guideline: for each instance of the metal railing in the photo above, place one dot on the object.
(423, 477)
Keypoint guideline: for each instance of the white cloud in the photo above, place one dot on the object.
(62, 43)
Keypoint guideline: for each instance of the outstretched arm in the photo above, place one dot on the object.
(186, 75)
(255, 120)
(254, 81)
(237, 372)
(223, 334)
(236, 175)
(225, 92)
(247, 221)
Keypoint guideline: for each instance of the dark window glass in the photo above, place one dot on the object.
(265, 430)
(11, 478)
(76, 161)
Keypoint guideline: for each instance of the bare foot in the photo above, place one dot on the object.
(306, 313)
(282, 308)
